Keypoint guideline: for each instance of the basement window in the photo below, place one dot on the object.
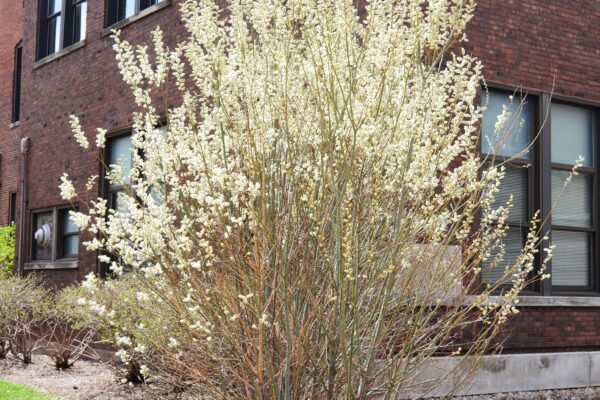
(119, 10)
(54, 235)
(61, 24)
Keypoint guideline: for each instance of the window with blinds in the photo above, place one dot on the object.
(573, 227)
(539, 159)
(509, 145)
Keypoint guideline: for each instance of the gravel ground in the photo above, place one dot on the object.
(93, 381)
(569, 394)
(85, 380)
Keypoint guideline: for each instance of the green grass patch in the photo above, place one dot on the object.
(13, 391)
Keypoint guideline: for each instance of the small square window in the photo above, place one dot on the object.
(54, 235)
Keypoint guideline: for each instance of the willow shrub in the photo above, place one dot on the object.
(314, 211)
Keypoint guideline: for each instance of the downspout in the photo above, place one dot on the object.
(24, 149)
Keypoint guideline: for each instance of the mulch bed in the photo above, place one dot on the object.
(85, 380)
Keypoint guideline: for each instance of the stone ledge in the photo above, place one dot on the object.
(46, 265)
(59, 54)
(548, 301)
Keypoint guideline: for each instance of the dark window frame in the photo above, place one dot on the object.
(56, 252)
(540, 189)
(532, 195)
(594, 278)
(61, 234)
(67, 30)
(109, 190)
(12, 207)
(16, 98)
(113, 7)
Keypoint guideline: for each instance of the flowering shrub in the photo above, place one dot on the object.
(314, 212)
(135, 323)
(7, 249)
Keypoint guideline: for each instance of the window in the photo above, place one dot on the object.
(12, 207)
(43, 227)
(118, 152)
(118, 10)
(510, 143)
(536, 180)
(55, 236)
(61, 24)
(573, 228)
(69, 236)
(16, 110)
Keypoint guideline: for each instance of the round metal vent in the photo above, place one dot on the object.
(43, 235)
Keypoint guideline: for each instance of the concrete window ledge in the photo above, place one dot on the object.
(59, 54)
(45, 265)
(549, 301)
(14, 125)
(142, 14)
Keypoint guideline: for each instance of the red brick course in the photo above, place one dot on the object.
(540, 44)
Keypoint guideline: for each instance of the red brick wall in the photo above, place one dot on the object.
(87, 83)
(539, 44)
(11, 33)
(551, 329)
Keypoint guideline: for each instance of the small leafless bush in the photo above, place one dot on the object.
(24, 310)
(68, 329)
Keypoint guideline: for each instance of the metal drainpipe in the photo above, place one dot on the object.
(24, 150)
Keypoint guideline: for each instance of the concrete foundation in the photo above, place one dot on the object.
(516, 372)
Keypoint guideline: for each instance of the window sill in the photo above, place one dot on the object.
(142, 14)
(548, 301)
(59, 54)
(14, 125)
(45, 265)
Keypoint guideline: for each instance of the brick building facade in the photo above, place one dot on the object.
(11, 36)
(547, 47)
(80, 79)
(539, 46)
